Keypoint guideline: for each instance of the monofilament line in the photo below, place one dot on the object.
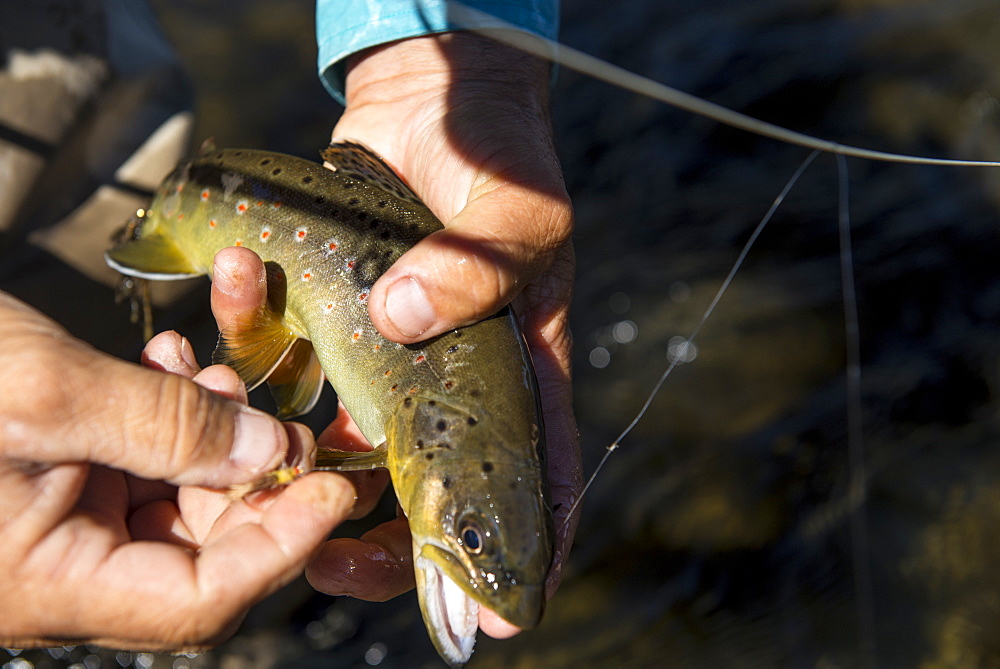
(701, 323)
(568, 57)
(857, 486)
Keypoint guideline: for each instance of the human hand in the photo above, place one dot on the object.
(465, 122)
(100, 543)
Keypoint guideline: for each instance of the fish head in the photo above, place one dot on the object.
(479, 516)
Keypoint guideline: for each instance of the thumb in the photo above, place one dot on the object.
(77, 404)
(485, 255)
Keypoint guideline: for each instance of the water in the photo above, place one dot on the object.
(719, 534)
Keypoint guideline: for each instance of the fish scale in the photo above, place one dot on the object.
(455, 419)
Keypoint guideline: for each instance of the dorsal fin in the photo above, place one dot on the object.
(357, 160)
(208, 146)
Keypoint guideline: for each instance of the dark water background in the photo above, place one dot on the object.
(721, 533)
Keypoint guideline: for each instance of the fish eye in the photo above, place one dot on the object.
(472, 536)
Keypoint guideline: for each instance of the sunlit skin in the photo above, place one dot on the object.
(93, 553)
(465, 122)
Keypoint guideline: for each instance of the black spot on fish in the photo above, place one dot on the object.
(353, 202)
(446, 482)
(385, 235)
(471, 421)
(474, 392)
(382, 203)
(276, 171)
(444, 444)
(429, 456)
(441, 426)
(320, 199)
(266, 161)
(487, 467)
(452, 349)
(348, 185)
(362, 216)
(307, 180)
(432, 403)
(238, 153)
(458, 333)
(420, 443)
(408, 402)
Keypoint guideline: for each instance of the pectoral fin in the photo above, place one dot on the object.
(296, 381)
(255, 346)
(351, 461)
(154, 257)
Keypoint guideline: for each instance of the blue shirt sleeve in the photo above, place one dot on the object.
(344, 27)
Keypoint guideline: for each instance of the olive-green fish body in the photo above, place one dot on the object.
(458, 415)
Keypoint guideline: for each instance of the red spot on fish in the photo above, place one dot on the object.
(204, 195)
(212, 223)
(239, 242)
(378, 347)
(260, 203)
(357, 336)
(307, 276)
(448, 385)
(350, 264)
(394, 387)
(277, 204)
(300, 234)
(265, 234)
(419, 358)
(180, 187)
(388, 372)
(332, 246)
(180, 216)
(412, 390)
(241, 207)
(362, 297)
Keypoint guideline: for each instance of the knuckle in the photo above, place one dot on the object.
(42, 399)
(187, 422)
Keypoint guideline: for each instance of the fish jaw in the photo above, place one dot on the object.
(450, 599)
(451, 616)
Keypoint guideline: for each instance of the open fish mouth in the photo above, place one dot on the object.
(451, 616)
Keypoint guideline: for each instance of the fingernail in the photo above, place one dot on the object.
(256, 442)
(408, 309)
(187, 354)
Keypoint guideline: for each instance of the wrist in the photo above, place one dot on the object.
(464, 66)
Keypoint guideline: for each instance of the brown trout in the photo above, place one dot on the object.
(454, 419)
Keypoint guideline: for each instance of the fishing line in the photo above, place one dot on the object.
(858, 476)
(679, 355)
(501, 31)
